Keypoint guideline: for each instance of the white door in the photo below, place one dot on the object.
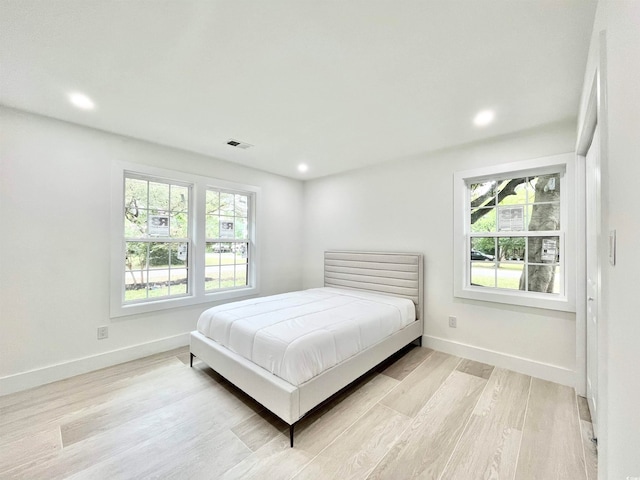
(593, 273)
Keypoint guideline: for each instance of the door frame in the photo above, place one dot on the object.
(594, 114)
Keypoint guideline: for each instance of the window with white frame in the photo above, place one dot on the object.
(179, 239)
(227, 247)
(513, 224)
(157, 238)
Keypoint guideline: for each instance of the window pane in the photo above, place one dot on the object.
(158, 282)
(511, 218)
(179, 198)
(159, 196)
(483, 248)
(241, 252)
(483, 274)
(226, 253)
(133, 293)
(483, 220)
(135, 193)
(241, 206)
(212, 254)
(226, 203)
(179, 254)
(227, 227)
(512, 191)
(546, 188)
(227, 274)
(241, 275)
(178, 281)
(544, 216)
(241, 228)
(159, 255)
(213, 226)
(544, 249)
(510, 275)
(212, 278)
(511, 248)
(179, 225)
(213, 202)
(135, 223)
(136, 257)
(544, 278)
(135, 279)
(482, 194)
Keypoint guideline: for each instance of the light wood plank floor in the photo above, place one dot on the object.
(422, 414)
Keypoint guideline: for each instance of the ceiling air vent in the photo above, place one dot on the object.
(236, 143)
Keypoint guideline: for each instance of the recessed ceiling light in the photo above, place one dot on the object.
(483, 118)
(303, 167)
(80, 100)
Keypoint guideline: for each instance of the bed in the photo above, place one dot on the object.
(293, 351)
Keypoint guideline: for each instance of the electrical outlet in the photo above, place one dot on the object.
(103, 332)
(453, 322)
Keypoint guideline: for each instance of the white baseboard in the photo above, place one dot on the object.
(40, 376)
(545, 371)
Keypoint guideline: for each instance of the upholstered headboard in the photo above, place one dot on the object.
(399, 274)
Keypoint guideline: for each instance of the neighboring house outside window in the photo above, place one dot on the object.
(180, 239)
(514, 222)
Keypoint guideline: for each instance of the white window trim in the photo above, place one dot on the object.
(461, 237)
(197, 250)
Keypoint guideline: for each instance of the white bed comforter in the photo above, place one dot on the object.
(298, 335)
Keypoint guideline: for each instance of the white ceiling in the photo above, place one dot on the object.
(335, 84)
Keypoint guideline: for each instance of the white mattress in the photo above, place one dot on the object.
(298, 335)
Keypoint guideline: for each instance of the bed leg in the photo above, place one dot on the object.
(191, 359)
(291, 427)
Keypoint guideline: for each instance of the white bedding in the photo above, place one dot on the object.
(298, 335)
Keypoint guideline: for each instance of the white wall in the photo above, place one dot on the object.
(54, 243)
(407, 205)
(619, 379)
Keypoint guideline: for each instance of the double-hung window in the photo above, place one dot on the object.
(157, 238)
(227, 243)
(514, 235)
(179, 239)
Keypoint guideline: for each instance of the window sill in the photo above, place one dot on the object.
(118, 311)
(533, 300)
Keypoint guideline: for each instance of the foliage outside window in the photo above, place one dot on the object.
(179, 239)
(514, 233)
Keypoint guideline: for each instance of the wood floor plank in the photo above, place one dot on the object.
(590, 450)
(129, 405)
(259, 429)
(406, 363)
(29, 448)
(418, 387)
(425, 447)
(321, 427)
(195, 452)
(551, 440)
(583, 409)
(212, 409)
(494, 430)
(58, 403)
(357, 451)
(275, 461)
(478, 369)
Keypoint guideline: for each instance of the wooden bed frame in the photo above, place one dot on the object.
(399, 274)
